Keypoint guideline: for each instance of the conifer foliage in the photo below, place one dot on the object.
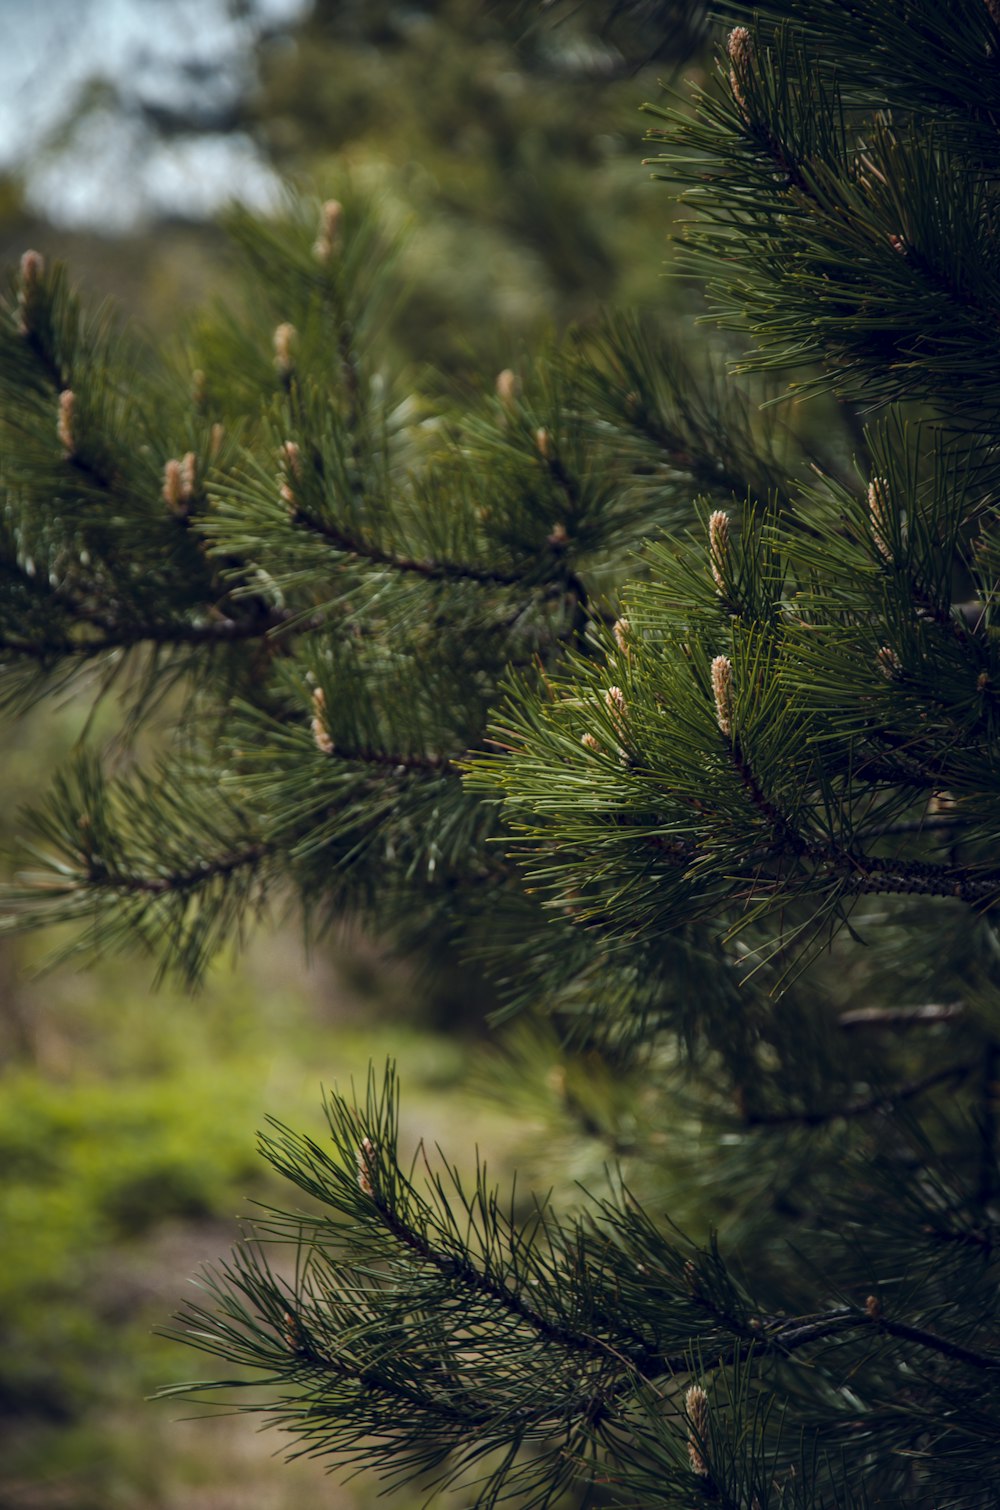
(678, 708)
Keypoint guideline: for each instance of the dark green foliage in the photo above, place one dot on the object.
(339, 542)
(431, 1328)
(672, 704)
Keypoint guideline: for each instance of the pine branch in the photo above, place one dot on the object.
(920, 1337)
(128, 635)
(785, 1337)
(787, 840)
(120, 856)
(672, 413)
(100, 877)
(883, 1102)
(881, 227)
(433, 571)
(856, 873)
(465, 1333)
(475, 1281)
(853, 871)
(396, 761)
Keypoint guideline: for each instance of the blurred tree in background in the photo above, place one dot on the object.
(662, 696)
(510, 132)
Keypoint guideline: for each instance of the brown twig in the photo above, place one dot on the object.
(926, 1015)
(883, 1101)
(179, 880)
(434, 571)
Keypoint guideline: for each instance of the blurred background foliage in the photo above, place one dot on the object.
(507, 137)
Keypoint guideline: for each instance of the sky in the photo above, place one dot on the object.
(114, 113)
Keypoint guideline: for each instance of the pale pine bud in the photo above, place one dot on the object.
(292, 469)
(284, 338)
(614, 701)
(590, 742)
(366, 1166)
(722, 691)
(558, 536)
(215, 444)
(320, 732)
(718, 547)
(292, 1331)
(621, 629)
(879, 518)
(64, 428)
(329, 240)
(888, 662)
(739, 46)
(543, 441)
(179, 479)
(696, 1410)
(173, 487)
(32, 272)
(506, 388)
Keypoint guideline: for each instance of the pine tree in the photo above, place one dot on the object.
(669, 696)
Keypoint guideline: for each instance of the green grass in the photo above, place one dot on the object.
(128, 1127)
